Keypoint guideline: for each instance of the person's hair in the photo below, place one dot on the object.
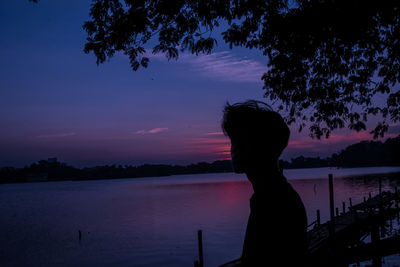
(258, 123)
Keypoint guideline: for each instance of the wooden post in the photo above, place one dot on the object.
(369, 194)
(200, 241)
(391, 224)
(344, 207)
(397, 204)
(331, 205)
(318, 218)
(351, 210)
(337, 212)
(376, 260)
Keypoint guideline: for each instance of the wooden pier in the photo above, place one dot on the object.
(363, 232)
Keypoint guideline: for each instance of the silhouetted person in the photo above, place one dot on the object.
(276, 233)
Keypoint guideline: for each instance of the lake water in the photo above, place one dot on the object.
(149, 222)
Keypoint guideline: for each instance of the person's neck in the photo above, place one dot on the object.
(265, 178)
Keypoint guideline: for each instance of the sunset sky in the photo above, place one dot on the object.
(56, 102)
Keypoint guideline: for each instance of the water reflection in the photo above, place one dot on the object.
(145, 222)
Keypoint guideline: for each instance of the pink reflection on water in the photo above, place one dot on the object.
(145, 222)
(218, 203)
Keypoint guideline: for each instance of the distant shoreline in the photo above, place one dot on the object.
(362, 154)
(383, 175)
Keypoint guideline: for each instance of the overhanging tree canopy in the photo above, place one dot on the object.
(327, 59)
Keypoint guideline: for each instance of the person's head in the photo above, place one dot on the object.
(258, 135)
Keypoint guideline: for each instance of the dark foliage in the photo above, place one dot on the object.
(326, 59)
(363, 154)
(368, 153)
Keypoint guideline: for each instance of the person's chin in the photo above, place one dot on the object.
(238, 169)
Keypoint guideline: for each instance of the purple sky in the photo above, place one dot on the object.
(56, 102)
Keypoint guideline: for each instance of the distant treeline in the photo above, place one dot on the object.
(50, 170)
(363, 154)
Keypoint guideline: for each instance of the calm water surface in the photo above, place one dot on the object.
(150, 221)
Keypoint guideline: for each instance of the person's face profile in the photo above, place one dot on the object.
(237, 161)
(240, 153)
(248, 153)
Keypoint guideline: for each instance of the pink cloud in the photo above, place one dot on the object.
(141, 132)
(157, 130)
(333, 144)
(209, 145)
(299, 144)
(215, 133)
(353, 137)
(152, 131)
